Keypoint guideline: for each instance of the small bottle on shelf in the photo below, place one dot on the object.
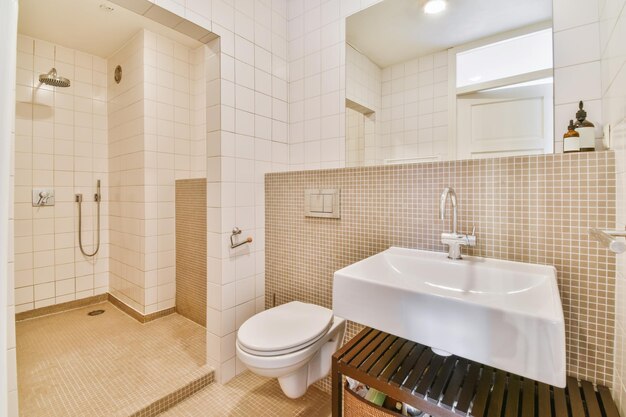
(571, 139)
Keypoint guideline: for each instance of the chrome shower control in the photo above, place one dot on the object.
(43, 197)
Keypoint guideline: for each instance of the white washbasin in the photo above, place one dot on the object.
(500, 313)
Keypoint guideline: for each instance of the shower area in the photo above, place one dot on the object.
(110, 210)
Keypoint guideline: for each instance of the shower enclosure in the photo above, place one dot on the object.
(80, 123)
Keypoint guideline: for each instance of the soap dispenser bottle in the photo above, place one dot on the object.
(586, 130)
(571, 139)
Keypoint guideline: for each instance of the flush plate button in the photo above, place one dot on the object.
(321, 202)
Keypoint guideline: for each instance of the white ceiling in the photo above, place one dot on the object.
(83, 25)
(395, 31)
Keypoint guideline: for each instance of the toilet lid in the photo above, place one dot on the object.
(284, 328)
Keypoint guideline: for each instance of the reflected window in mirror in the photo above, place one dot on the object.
(404, 102)
(504, 88)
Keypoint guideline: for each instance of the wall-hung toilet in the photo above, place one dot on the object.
(293, 342)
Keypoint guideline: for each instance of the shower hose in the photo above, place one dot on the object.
(79, 200)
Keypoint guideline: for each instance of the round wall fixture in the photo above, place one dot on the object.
(118, 74)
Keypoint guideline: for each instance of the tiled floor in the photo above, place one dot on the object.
(251, 395)
(72, 364)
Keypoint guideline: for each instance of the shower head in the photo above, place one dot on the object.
(51, 78)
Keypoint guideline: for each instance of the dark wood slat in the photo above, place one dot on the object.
(455, 383)
(442, 378)
(593, 408)
(467, 391)
(380, 350)
(396, 361)
(560, 402)
(403, 395)
(337, 391)
(418, 371)
(408, 365)
(497, 395)
(575, 401)
(352, 343)
(544, 407)
(482, 394)
(608, 405)
(411, 373)
(512, 397)
(384, 360)
(367, 351)
(349, 355)
(429, 376)
(528, 398)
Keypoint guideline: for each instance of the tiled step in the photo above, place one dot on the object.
(73, 364)
(177, 395)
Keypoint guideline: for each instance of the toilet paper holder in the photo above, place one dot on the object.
(608, 239)
(237, 231)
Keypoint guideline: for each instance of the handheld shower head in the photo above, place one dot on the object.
(51, 78)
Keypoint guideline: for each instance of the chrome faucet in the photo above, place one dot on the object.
(454, 240)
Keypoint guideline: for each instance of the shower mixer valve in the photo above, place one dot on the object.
(43, 197)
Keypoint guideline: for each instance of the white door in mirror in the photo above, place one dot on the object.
(505, 122)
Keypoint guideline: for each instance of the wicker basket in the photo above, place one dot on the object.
(355, 406)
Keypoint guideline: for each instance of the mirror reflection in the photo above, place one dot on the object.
(442, 80)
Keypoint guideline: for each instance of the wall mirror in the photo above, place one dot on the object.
(443, 80)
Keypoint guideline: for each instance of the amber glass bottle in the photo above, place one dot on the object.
(571, 139)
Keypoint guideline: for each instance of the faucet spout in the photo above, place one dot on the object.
(448, 191)
(454, 240)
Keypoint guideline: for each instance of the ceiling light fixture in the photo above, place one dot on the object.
(434, 6)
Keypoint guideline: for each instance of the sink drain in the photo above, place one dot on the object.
(95, 313)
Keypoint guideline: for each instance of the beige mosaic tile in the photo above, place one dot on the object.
(72, 364)
(191, 255)
(251, 395)
(534, 209)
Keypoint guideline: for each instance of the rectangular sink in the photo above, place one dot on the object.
(500, 313)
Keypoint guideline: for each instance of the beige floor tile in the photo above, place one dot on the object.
(250, 395)
(72, 364)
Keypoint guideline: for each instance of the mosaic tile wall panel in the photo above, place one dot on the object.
(191, 270)
(534, 209)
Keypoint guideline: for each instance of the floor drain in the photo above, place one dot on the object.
(95, 313)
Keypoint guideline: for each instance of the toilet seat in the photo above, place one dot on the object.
(284, 329)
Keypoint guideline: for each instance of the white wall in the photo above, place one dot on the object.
(577, 69)
(157, 135)
(612, 34)
(363, 80)
(363, 87)
(247, 128)
(125, 110)
(410, 102)
(61, 143)
(414, 119)
(8, 373)
(168, 109)
(355, 138)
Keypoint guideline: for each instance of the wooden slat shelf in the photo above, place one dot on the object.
(452, 386)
